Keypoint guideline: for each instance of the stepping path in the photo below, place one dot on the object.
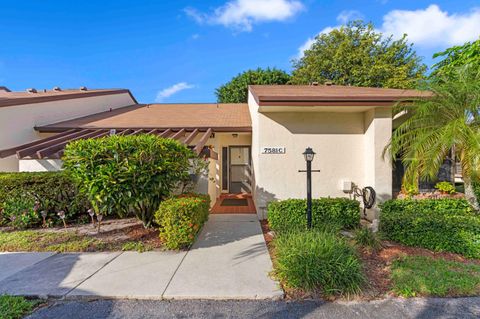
(229, 260)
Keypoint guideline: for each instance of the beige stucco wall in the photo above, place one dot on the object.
(348, 147)
(17, 122)
(37, 165)
(378, 170)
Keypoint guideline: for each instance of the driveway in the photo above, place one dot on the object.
(435, 308)
(229, 260)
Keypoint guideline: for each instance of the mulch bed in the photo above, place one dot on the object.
(114, 233)
(376, 264)
(149, 237)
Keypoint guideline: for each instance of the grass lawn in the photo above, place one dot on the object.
(15, 307)
(425, 276)
(32, 240)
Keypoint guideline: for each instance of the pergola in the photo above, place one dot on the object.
(53, 147)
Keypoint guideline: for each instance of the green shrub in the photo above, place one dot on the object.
(127, 174)
(445, 187)
(54, 191)
(365, 237)
(436, 224)
(290, 214)
(21, 211)
(476, 190)
(180, 218)
(318, 259)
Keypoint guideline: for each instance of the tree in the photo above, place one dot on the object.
(455, 57)
(357, 55)
(449, 119)
(236, 90)
(127, 174)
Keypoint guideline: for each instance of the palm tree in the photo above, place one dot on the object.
(435, 127)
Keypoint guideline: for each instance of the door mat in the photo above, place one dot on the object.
(234, 202)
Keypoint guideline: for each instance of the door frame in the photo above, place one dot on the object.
(230, 162)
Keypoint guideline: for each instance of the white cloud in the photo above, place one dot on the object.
(432, 27)
(195, 15)
(243, 14)
(349, 15)
(307, 44)
(167, 92)
(343, 18)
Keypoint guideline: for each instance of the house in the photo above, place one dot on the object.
(253, 148)
(20, 112)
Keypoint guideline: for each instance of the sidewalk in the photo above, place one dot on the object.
(228, 261)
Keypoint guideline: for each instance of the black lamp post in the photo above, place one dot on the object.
(309, 154)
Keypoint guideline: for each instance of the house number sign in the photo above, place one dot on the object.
(273, 150)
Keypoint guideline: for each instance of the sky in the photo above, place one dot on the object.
(180, 51)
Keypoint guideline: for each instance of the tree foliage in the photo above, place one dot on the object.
(357, 55)
(127, 174)
(236, 90)
(448, 120)
(455, 57)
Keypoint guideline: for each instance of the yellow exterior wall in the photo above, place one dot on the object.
(348, 147)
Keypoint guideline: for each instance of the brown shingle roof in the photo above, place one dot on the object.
(19, 98)
(220, 117)
(329, 94)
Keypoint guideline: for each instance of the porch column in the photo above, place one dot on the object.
(378, 171)
(213, 180)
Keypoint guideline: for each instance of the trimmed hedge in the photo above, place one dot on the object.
(180, 218)
(437, 224)
(318, 259)
(54, 191)
(290, 214)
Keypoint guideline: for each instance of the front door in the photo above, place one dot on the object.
(240, 169)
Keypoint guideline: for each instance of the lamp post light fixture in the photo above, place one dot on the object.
(91, 213)
(44, 217)
(62, 216)
(309, 154)
(99, 219)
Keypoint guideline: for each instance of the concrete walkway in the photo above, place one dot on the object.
(228, 261)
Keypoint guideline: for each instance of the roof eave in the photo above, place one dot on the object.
(224, 129)
(61, 97)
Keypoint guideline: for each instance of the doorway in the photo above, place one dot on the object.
(240, 173)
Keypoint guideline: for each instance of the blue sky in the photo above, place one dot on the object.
(180, 51)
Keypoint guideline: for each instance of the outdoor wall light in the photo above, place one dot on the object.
(234, 135)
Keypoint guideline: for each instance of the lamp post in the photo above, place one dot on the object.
(309, 154)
